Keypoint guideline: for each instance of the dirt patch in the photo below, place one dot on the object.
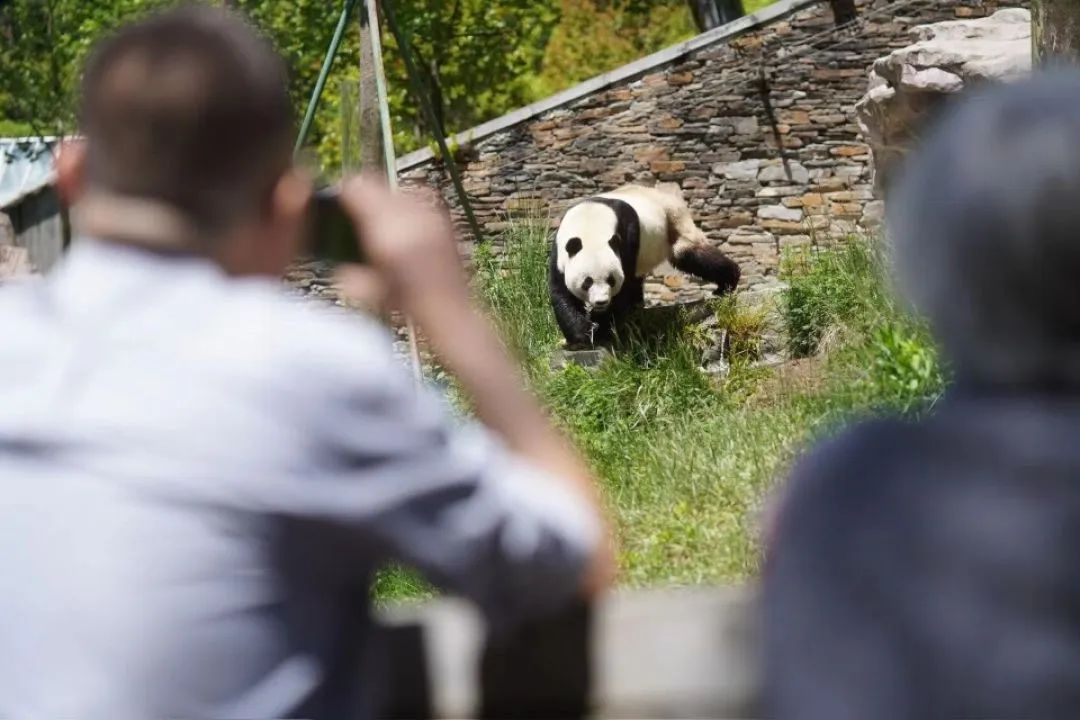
(791, 378)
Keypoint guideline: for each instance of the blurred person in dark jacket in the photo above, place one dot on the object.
(931, 569)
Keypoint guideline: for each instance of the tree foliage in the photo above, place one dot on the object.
(42, 45)
(594, 36)
(479, 58)
(301, 30)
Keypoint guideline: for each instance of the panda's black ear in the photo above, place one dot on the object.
(614, 243)
(573, 246)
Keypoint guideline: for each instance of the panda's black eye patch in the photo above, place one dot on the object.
(587, 284)
(573, 246)
(614, 242)
(611, 280)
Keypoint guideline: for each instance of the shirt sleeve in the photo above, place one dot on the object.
(396, 477)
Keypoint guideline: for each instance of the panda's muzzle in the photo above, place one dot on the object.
(599, 307)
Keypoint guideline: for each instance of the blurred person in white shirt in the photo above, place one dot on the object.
(200, 475)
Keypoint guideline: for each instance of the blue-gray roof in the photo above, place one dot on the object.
(26, 166)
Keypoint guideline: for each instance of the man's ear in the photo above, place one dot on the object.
(70, 164)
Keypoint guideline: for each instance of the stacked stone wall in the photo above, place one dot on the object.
(758, 130)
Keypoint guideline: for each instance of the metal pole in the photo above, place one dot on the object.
(335, 42)
(389, 160)
(432, 120)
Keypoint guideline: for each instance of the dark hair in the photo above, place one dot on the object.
(985, 222)
(189, 107)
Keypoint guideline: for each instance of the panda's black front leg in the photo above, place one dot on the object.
(578, 329)
(574, 322)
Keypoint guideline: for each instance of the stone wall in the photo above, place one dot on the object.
(756, 126)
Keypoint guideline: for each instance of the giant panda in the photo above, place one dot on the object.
(605, 246)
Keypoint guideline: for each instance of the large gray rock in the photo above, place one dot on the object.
(588, 358)
(909, 83)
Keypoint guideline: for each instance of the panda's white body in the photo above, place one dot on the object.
(657, 236)
(607, 244)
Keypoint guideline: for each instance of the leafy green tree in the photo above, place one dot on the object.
(479, 58)
(301, 31)
(595, 36)
(42, 46)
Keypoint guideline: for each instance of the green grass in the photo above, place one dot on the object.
(827, 290)
(11, 128)
(686, 459)
(881, 355)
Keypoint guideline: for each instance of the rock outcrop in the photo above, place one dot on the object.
(909, 84)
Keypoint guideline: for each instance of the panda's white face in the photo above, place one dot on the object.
(587, 255)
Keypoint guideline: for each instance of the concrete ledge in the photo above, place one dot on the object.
(666, 56)
(687, 653)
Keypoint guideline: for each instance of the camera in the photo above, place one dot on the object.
(332, 235)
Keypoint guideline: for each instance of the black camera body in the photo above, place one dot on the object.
(332, 235)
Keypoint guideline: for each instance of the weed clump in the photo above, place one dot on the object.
(882, 356)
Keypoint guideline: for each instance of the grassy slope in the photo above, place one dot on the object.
(686, 460)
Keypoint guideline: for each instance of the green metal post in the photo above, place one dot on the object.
(335, 43)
